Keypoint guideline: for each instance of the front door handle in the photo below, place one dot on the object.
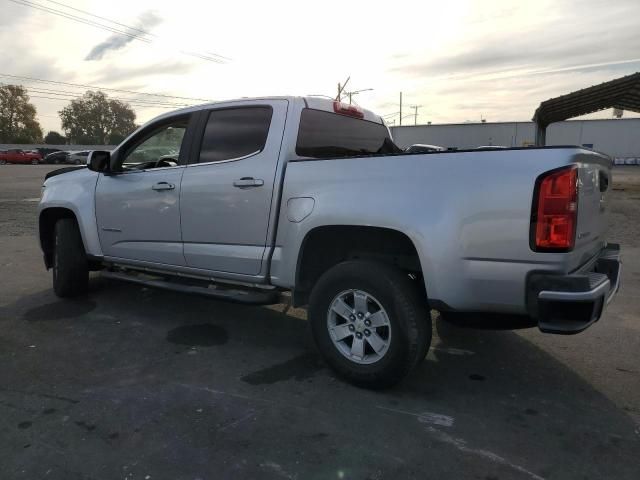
(163, 186)
(246, 182)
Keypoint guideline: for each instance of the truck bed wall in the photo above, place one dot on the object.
(468, 215)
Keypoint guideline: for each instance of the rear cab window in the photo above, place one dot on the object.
(330, 135)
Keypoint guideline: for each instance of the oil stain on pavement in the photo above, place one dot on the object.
(299, 368)
(204, 335)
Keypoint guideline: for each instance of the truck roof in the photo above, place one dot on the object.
(315, 102)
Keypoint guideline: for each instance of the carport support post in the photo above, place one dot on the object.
(541, 135)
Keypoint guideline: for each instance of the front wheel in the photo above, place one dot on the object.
(370, 322)
(70, 265)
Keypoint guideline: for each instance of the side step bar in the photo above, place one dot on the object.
(235, 295)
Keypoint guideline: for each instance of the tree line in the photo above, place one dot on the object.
(92, 119)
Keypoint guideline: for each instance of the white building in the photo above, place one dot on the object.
(618, 138)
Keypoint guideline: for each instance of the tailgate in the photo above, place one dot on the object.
(594, 185)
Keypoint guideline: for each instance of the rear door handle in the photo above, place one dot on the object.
(245, 182)
(163, 186)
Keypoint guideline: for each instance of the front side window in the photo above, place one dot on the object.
(325, 134)
(160, 149)
(234, 133)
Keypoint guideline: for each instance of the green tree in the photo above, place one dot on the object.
(54, 138)
(18, 122)
(96, 119)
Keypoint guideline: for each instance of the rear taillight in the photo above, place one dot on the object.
(555, 211)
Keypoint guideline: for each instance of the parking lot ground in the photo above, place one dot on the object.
(134, 383)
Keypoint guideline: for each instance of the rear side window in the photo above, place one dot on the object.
(234, 133)
(325, 134)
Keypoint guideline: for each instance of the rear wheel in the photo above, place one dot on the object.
(70, 265)
(370, 322)
(3, 162)
(34, 162)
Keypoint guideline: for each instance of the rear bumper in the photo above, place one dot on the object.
(568, 304)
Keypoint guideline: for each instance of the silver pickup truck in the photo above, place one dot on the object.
(255, 199)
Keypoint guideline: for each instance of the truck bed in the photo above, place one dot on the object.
(467, 212)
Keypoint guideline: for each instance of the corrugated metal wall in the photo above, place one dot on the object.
(615, 137)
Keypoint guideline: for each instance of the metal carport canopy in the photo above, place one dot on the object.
(622, 93)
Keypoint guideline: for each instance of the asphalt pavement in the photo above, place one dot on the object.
(135, 383)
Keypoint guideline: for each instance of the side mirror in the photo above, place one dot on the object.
(99, 161)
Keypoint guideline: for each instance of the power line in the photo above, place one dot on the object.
(212, 57)
(68, 96)
(80, 85)
(100, 18)
(144, 32)
(49, 91)
(356, 92)
(73, 96)
(131, 104)
(75, 18)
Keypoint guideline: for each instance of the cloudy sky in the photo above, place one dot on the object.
(460, 60)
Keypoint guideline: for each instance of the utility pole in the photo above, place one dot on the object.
(415, 113)
(355, 92)
(400, 108)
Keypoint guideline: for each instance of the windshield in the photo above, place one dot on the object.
(325, 134)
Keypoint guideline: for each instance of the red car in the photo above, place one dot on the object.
(16, 155)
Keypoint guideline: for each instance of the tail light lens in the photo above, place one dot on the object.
(555, 211)
(350, 110)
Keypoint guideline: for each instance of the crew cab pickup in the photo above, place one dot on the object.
(16, 155)
(256, 200)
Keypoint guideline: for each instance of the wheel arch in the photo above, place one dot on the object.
(325, 246)
(46, 229)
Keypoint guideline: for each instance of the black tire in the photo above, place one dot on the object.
(70, 265)
(408, 314)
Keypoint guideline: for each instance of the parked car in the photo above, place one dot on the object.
(57, 157)
(16, 155)
(78, 158)
(311, 197)
(424, 148)
(44, 151)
